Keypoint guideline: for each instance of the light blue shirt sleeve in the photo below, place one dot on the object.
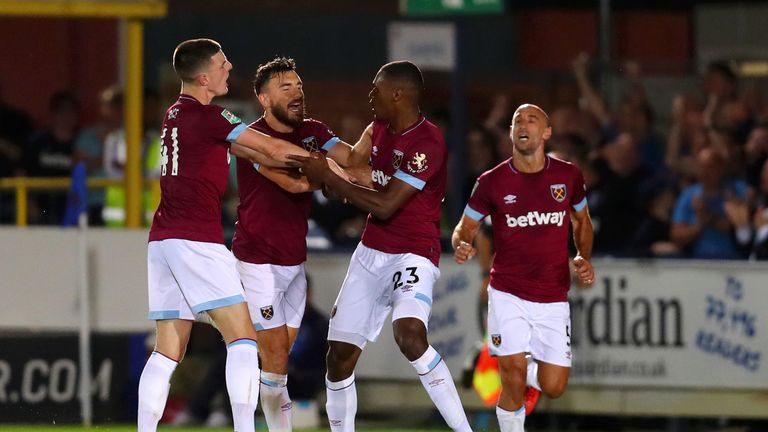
(236, 132)
(330, 143)
(472, 213)
(580, 205)
(684, 208)
(411, 180)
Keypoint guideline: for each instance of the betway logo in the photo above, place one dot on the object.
(379, 177)
(535, 218)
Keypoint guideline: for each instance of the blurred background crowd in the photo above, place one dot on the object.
(677, 170)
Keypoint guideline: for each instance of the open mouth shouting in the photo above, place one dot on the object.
(296, 107)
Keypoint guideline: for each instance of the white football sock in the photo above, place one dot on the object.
(532, 377)
(153, 390)
(242, 372)
(275, 402)
(511, 421)
(341, 405)
(437, 380)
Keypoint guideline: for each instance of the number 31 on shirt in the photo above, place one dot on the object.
(174, 159)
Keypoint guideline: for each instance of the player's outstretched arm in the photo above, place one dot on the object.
(361, 151)
(349, 156)
(289, 179)
(382, 204)
(462, 238)
(583, 236)
(275, 150)
(354, 159)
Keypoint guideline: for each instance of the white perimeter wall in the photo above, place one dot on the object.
(669, 325)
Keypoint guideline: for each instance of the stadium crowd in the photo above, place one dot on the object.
(693, 187)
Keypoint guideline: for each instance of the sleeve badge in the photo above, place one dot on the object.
(231, 118)
(418, 164)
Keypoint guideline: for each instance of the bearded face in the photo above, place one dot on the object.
(290, 113)
(284, 98)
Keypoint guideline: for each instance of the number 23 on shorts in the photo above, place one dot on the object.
(412, 277)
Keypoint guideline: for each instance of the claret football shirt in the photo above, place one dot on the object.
(417, 156)
(530, 214)
(194, 170)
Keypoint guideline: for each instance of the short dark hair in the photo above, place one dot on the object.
(191, 56)
(269, 70)
(724, 68)
(404, 72)
(63, 100)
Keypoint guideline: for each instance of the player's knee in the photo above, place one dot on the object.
(513, 380)
(512, 376)
(411, 337)
(340, 362)
(411, 344)
(554, 388)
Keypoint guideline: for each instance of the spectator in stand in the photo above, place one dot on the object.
(708, 221)
(48, 153)
(481, 156)
(723, 107)
(15, 129)
(633, 116)
(687, 135)
(497, 123)
(89, 145)
(569, 147)
(115, 154)
(572, 121)
(727, 141)
(756, 153)
(651, 238)
(760, 218)
(613, 201)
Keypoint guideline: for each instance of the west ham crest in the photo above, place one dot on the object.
(267, 312)
(496, 339)
(557, 191)
(397, 158)
(310, 144)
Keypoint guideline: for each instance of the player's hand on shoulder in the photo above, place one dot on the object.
(464, 252)
(585, 273)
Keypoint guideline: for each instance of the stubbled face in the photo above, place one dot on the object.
(283, 97)
(218, 74)
(529, 130)
(381, 97)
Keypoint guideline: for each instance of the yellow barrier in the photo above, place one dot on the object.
(22, 185)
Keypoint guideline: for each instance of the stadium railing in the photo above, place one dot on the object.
(22, 185)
